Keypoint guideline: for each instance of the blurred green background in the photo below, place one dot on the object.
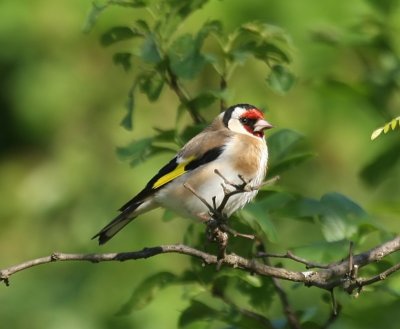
(61, 103)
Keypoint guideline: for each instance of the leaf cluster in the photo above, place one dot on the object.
(160, 54)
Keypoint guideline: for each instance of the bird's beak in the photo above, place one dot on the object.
(262, 125)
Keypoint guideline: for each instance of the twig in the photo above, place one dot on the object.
(290, 255)
(172, 81)
(291, 316)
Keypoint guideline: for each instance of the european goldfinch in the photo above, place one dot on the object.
(233, 144)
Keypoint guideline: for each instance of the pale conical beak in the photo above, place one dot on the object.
(261, 125)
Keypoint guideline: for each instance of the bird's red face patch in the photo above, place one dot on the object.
(249, 119)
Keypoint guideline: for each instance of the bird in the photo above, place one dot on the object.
(233, 144)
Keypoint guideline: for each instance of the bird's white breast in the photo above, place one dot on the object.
(247, 157)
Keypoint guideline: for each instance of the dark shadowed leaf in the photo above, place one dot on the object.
(127, 121)
(118, 33)
(203, 100)
(280, 79)
(287, 149)
(151, 83)
(145, 292)
(380, 167)
(150, 52)
(123, 59)
(197, 311)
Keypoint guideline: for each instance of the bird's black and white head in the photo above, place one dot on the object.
(245, 119)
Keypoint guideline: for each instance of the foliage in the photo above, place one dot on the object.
(392, 125)
(169, 58)
(159, 56)
(177, 64)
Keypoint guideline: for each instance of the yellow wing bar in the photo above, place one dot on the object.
(178, 171)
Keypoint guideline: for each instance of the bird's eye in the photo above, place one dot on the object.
(244, 121)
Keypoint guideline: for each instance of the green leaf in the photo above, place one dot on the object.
(136, 151)
(289, 162)
(195, 312)
(280, 79)
(150, 52)
(145, 292)
(93, 15)
(286, 149)
(129, 106)
(257, 217)
(391, 125)
(264, 41)
(185, 57)
(341, 217)
(118, 33)
(185, 8)
(382, 165)
(123, 59)
(151, 83)
(202, 100)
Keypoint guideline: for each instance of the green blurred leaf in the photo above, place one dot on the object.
(91, 18)
(185, 55)
(257, 217)
(150, 52)
(118, 33)
(123, 59)
(151, 83)
(202, 100)
(286, 149)
(341, 217)
(280, 79)
(265, 42)
(197, 311)
(127, 121)
(186, 59)
(137, 150)
(145, 292)
(185, 8)
(381, 167)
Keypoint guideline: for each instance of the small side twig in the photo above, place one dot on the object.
(290, 255)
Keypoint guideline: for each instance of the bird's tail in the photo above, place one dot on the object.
(117, 224)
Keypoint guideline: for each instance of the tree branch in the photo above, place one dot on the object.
(333, 276)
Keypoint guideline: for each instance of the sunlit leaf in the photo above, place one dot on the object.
(376, 133)
(391, 125)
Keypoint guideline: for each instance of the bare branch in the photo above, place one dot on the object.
(333, 276)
